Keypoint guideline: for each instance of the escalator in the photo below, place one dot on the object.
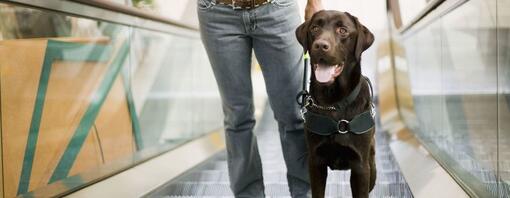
(210, 179)
(95, 101)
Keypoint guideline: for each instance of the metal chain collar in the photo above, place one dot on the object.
(309, 102)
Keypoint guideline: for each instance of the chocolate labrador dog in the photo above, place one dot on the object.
(339, 123)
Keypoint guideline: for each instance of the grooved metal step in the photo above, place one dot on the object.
(210, 179)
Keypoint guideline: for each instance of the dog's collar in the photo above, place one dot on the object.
(310, 103)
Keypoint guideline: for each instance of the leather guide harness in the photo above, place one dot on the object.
(326, 125)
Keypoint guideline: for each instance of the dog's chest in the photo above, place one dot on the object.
(346, 114)
(338, 153)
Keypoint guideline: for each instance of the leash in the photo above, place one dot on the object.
(325, 125)
(303, 94)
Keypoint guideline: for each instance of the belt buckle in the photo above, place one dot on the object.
(253, 5)
(234, 5)
(345, 128)
(263, 3)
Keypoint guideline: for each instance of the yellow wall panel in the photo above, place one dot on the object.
(114, 125)
(20, 64)
(1, 164)
(70, 90)
(89, 155)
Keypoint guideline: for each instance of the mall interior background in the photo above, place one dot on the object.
(83, 98)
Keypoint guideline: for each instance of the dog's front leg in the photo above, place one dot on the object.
(318, 176)
(360, 180)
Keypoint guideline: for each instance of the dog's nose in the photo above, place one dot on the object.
(321, 45)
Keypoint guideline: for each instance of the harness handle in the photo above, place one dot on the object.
(301, 96)
(370, 85)
(372, 105)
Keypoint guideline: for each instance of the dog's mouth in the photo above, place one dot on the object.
(326, 74)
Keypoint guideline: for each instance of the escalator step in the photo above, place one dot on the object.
(210, 179)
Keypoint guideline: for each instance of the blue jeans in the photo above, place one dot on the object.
(229, 37)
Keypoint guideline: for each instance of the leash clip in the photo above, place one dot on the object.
(343, 128)
(372, 110)
(303, 112)
(302, 98)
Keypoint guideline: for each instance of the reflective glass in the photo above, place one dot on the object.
(81, 99)
(504, 96)
(470, 84)
(182, 11)
(173, 88)
(458, 91)
(424, 63)
(64, 110)
(409, 9)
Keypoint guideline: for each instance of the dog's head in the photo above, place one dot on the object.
(334, 40)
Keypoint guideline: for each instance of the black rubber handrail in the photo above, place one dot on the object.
(116, 7)
(428, 9)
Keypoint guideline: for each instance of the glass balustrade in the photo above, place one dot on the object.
(82, 99)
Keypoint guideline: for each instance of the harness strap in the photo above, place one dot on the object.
(339, 105)
(324, 125)
(370, 86)
(350, 98)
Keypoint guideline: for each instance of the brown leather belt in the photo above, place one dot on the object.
(243, 4)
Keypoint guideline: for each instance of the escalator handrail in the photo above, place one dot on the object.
(102, 10)
(427, 10)
(116, 7)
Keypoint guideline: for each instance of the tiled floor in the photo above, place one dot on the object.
(210, 179)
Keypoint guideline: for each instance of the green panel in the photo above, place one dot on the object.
(132, 111)
(55, 50)
(73, 148)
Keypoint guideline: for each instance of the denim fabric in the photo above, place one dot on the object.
(229, 37)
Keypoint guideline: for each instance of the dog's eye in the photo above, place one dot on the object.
(315, 29)
(341, 30)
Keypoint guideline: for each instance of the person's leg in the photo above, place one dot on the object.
(280, 56)
(229, 51)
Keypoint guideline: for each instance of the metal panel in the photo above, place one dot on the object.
(145, 177)
(425, 177)
(503, 36)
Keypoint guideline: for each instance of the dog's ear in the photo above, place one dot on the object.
(365, 37)
(302, 35)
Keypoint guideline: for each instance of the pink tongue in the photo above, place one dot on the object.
(324, 74)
